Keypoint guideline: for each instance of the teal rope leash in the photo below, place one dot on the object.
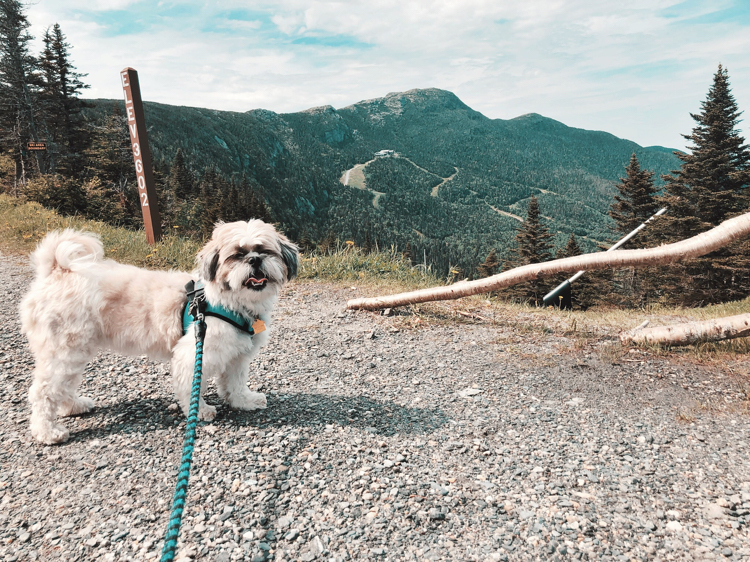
(180, 493)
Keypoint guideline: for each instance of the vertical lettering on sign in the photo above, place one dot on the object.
(141, 154)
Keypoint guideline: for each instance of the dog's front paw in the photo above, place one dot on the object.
(248, 401)
(80, 405)
(50, 434)
(207, 413)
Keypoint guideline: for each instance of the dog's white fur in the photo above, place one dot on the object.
(80, 303)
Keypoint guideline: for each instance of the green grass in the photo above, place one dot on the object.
(385, 270)
(23, 225)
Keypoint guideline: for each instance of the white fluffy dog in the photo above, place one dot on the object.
(80, 303)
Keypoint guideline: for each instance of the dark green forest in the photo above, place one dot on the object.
(296, 161)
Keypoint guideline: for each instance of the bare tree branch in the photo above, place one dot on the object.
(691, 332)
(704, 243)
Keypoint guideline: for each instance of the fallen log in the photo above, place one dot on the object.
(704, 243)
(691, 332)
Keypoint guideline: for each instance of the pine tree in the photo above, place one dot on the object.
(212, 187)
(306, 245)
(256, 207)
(636, 201)
(490, 265)
(587, 288)
(408, 254)
(19, 87)
(367, 245)
(714, 176)
(61, 85)
(109, 158)
(180, 181)
(533, 245)
(635, 204)
(710, 186)
(328, 244)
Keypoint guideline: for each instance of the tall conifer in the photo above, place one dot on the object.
(180, 181)
(19, 87)
(635, 202)
(533, 245)
(715, 173)
(61, 85)
(710, 186)
(490, 265)
(587, 289)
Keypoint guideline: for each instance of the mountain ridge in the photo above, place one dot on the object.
(297, 160)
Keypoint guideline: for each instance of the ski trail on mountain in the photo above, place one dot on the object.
(355, 177)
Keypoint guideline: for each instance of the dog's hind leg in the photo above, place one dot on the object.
(232, 386)
(53, 392)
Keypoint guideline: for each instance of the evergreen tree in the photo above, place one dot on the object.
(710, 186)
(257, 208)
(211, 196)
(109, 158)
(533, 239)
(19, 87)
(490, 265)
(306, 245)
(408, 254)
(586, 290)
(533, 245)
(714, 176)
(635, 204)
(367, 245)
(61, 85)
(636, 201)
(181, 181)
(328, 244)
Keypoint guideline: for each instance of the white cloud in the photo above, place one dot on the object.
(635, 70)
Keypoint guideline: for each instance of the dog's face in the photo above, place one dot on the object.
(249, 258)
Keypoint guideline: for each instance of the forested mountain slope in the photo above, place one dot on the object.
(299, 159)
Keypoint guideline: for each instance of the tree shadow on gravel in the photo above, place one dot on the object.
(306, 410)
(302, 410)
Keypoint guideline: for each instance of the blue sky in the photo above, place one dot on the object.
(636, 71)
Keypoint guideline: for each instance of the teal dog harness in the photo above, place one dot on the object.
(195, 290)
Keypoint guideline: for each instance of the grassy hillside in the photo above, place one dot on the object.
(23, 225)
(298, 160)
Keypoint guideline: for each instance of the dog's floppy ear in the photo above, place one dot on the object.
(290, 257)
(208, 261)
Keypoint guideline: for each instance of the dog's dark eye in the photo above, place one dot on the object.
(237, 256)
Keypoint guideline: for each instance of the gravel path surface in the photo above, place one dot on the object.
(382, 442)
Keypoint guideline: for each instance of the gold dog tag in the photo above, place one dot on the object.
(259, 326)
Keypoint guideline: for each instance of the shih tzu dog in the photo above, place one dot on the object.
(80, 303)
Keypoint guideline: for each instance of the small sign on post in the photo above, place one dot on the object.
(141, 154)
(36, 145)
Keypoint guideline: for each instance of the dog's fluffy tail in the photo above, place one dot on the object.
(68, 250)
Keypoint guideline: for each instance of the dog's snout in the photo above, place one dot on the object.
(254, 261)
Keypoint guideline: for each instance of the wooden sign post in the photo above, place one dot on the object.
(141, 154)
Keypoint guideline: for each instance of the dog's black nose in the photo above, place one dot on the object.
(254, 261)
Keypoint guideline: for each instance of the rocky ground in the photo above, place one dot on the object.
(385, 440)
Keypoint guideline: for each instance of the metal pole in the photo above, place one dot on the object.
(554, 293)
(141, 154)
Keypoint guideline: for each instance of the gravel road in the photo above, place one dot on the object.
(453, 441)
